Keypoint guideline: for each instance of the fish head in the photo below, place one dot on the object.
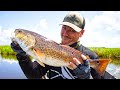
(23, 38)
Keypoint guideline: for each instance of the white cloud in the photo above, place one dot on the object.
(44, 24)
(0, 31)
(5, 36)
(103, 30)
(45, 30)
(41, 26)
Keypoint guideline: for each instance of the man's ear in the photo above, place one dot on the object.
(81, 32)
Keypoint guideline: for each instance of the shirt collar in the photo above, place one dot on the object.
(75, 45)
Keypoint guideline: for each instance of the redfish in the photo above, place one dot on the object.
(46, 51)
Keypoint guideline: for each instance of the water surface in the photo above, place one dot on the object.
(10, 69)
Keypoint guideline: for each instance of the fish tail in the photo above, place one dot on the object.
(101, 65)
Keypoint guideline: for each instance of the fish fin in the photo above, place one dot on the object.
(100, 65)
(65, 46)
(39, 54)
(70, 48)
(42, 64)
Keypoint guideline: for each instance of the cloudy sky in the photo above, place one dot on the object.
(102, 28)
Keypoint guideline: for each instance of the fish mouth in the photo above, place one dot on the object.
(19, 41)
(13, 36)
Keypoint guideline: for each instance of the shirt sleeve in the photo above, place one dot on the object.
(32, 70)
(88, 52)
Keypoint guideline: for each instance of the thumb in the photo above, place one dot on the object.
(86, 62)
(83, 57)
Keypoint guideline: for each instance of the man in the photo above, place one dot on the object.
(72, 29)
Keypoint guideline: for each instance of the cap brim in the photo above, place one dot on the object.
(76, 28)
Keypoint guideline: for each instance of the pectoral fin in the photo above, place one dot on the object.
(42, 64)
(39, 54)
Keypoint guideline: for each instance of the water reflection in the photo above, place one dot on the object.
(114, 70)
(10, 69)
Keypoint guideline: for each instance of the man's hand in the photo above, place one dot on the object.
(21, 55)
(75, 62)
(16, 48)
(82, 71)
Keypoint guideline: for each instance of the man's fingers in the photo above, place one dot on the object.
(72, 65)
(83, 57)
(76, 61)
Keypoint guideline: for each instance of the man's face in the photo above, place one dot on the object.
(69, 35)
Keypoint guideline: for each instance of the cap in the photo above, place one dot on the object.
(74, 20)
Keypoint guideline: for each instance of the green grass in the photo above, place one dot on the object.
(106, 52)
(10, 57)
(6, 50)
(101, 52)
(116, 62)
(7, 53)
(112, 53)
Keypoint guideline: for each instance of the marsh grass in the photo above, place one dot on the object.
(10, 57)
(108, 53)
(6, 50)
(116, 62)
(100, 51)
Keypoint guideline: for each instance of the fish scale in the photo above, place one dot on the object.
(47, 51)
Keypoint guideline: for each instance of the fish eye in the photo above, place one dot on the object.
(72, 53)
(19, 31)
(98, 62)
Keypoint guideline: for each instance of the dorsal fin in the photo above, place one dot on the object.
(71, 49)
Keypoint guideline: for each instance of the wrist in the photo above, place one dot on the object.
(22, 57)
(22, 53)
(82, 71)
